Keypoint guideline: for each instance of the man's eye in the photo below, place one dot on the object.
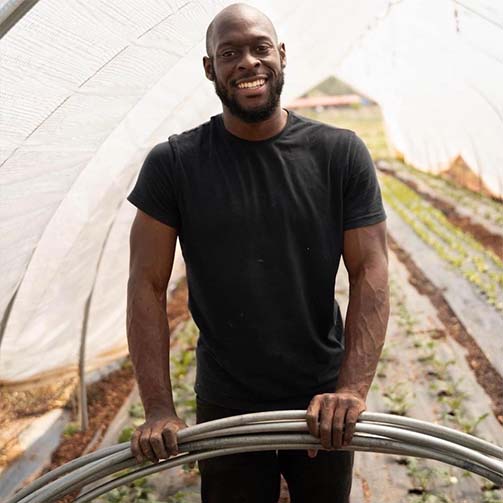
(228, 54)
(262, 48)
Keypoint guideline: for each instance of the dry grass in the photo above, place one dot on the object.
(35, 401)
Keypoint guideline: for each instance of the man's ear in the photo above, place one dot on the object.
(282, 54)
(208, 68)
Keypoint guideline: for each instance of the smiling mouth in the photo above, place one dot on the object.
(254, 84)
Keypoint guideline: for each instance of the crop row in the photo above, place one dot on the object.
(478, 265)
(479, 204)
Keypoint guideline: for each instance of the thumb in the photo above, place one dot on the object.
(312, 453)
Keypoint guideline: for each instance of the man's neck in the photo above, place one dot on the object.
(256, 131)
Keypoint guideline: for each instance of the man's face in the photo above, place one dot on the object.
(247, 69)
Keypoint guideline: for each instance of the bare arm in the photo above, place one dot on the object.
(332, 416)
(152, 250)
(366, 259)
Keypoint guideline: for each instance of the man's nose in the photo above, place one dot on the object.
(248, 61)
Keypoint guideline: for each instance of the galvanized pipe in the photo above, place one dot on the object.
(182, 434)
(441, 443)
(435, 430)
(198, 430)
(71, 480)
(380, 419)
(66, 468)
(368, 444)
(438, 444)
(94, 473)
(95, 468)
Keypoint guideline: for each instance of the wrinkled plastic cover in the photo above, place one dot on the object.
(87, 88)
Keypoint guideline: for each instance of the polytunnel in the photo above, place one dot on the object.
(88, 88)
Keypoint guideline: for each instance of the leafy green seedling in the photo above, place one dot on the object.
(137, 411)
(126, 434)
(179, 497)
(469, 426)
(398, 399)
(137, 491)
(71, 429)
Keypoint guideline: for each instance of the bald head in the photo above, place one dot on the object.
(233, 14)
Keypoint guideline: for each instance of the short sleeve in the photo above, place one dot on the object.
(155, 190)
(362, 202)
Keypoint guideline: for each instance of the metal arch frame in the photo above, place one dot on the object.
(261, 431)
(12, 12)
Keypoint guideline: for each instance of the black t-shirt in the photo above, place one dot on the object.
(261, 228)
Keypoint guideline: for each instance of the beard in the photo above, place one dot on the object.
(254, 114)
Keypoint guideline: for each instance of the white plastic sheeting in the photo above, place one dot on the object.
(88, 87)
(436, 69)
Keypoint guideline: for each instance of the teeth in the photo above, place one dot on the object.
(250, 85)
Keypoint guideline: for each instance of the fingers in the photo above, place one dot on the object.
(332, 417)
(135, 447)
(326, 420)
(155, 441)
(157, 444)
(338, 425)
(349, 430)
(312, 414)
(145, 446)
(170, 441)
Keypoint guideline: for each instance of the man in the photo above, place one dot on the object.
(264, 203)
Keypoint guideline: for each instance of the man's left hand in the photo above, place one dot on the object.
(332, 418)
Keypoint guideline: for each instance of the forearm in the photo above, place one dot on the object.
(149, 339)
(365, 328)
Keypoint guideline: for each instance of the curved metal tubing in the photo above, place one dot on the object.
(11, 12)
(66, 468)
(435, 430)
(368, 444)
(405, 435)
(438, 444)
(201, 431)
(59, 488)
(182, 434)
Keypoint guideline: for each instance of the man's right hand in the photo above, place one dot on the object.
(156, 439)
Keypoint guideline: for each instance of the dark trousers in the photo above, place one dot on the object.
(254, 477)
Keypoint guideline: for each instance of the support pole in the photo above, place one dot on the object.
(82, 396)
